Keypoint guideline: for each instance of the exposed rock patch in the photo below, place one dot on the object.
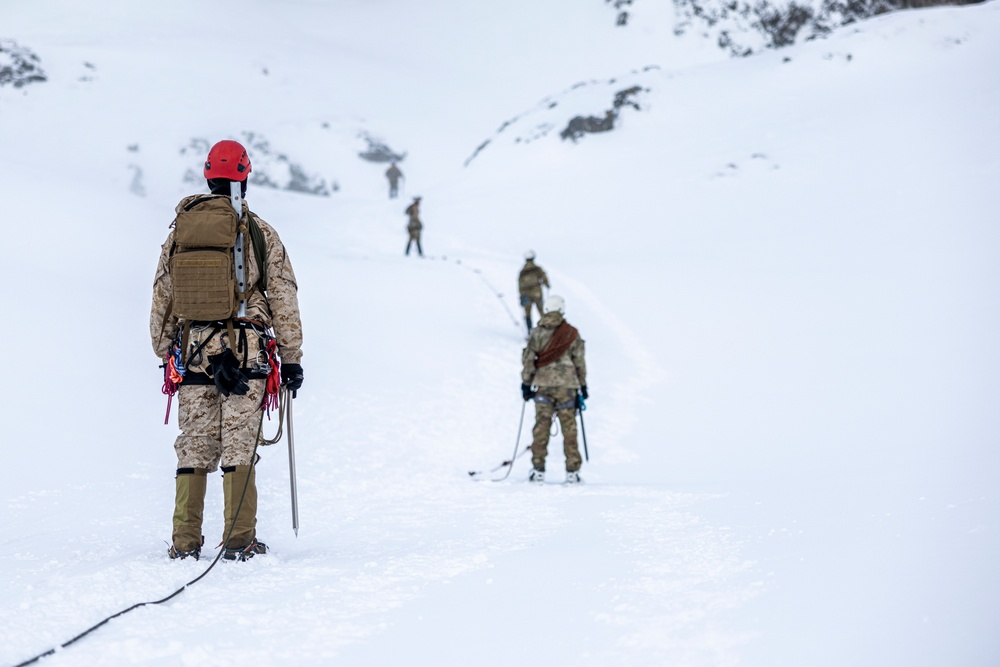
(378, 151)
(746, 27)
(19, 65)
(557, 110)
(271, 169)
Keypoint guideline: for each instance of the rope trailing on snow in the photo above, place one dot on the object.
(497, 293)
(239, 505)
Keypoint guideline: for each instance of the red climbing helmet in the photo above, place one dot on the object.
(227, 159)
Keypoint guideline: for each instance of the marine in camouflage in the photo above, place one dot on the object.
(414, 226)
(557, 387)
(393, 173)
(529, 286)
(216, 428)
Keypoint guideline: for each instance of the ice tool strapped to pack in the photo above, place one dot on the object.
(208, 271)
(207, 263)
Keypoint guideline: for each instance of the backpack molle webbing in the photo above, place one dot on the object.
(203, 275)
(201, 270)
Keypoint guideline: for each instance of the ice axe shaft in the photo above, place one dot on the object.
(583, 430)
(291, 467)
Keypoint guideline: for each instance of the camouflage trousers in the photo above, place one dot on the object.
(544, 410)
(529, 300)
(217, 428)
(414, 236)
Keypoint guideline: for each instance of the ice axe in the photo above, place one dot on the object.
(291, 467)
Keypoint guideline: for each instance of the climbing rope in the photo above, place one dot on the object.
(239, 506)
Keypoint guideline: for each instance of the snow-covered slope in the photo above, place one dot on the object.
(785, 268)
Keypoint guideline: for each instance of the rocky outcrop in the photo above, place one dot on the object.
(19, 66)
(271, 169)
(745, 27)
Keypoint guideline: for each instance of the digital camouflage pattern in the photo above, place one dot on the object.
(544, 409)
(216, 428)
(280, 308)
(569, 371)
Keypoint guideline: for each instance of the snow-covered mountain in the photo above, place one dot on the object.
(784, 266)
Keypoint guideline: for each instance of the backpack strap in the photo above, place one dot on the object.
(259, 249)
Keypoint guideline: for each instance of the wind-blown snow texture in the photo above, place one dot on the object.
(785, 268)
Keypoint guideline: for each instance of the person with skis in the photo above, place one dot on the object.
(224, 310)
(553, 361)
(529, 284)
(414, 226)
(393, 174)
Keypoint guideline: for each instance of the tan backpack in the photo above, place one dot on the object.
(203, 262)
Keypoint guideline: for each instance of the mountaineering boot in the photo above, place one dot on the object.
(246, 553)
(537, 476)
(244, 525)
(189, 508)
(175, 554)
(572, 477)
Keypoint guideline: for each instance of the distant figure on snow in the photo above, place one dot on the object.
(414, 227)
(393, 174)
(553, 361)
(529, 285)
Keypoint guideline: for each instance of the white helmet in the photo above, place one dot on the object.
(555, 303)
(529, 254)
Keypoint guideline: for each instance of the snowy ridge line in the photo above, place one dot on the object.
(552, 101)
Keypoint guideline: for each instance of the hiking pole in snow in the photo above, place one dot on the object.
(291, 466)
(517, 443)
(509, 464)
(581, 406)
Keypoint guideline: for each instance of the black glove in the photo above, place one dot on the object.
(583, 392)
(527, 392)
(291, 376)
(225, 370)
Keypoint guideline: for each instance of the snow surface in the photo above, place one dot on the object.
(785, 268)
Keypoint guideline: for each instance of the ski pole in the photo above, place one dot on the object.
(517, 444)
(291, 466)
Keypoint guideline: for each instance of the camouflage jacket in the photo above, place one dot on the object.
(531, 279)
(279, 308)
(393, 173)
(570, 370)
(414, 212)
